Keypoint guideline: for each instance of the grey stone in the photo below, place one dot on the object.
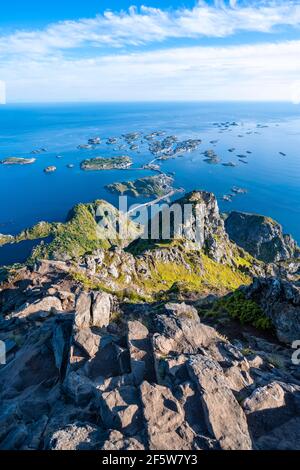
(83, 310)
(140, 350)
(15, 438)
(116, 441)
(224, 416)
(101, 309)
(79, 388)
(164, 418)
(120, 409)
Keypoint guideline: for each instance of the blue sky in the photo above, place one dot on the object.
(100, 50)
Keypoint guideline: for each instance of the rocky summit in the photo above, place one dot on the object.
(165, 344)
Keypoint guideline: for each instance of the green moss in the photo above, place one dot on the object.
(242, 309)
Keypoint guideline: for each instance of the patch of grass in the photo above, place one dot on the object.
(202, 275)
(40, 230)
(242, 309)
(88, 283)
(75, 238)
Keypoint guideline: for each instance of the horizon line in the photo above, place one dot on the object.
(144, 102)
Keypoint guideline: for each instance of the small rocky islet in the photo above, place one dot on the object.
(117, 344)
(17, 161)
(102, 163)
(158, 185)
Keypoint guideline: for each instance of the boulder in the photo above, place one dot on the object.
(109, 361)
(83, 310)
(120, 409)
(116, 441)
(224, 416)
(88, 341)
(270, 406)
(164, 418)
(101, 309)
(140, 350)
(79, 388)
(182, 335)
(284, 437)
(280, 301)
(182, 310)
(40, 308)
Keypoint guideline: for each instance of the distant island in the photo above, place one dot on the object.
(100, 163)
(17, 161)
(158, 185)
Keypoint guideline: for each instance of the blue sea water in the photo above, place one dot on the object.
(28, 195)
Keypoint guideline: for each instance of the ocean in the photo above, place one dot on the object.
(272, 180)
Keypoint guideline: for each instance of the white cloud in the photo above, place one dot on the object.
(149, 25)
(49, 64)
(253, 72)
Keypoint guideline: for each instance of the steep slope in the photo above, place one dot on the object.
(261, 236)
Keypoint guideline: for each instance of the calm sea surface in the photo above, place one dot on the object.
(28, 195)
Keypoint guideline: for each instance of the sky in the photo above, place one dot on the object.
(151, 50)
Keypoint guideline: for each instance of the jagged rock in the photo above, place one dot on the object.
(203, 224)
(120, 409)
(239, 380)
(284, 437)
(63, 376)
(61, 343)
(140, 350)
(116, 441)
(15, 438)
(79, 388)
(164, 418)
(83, 310)
(88, 341)
(182, 334)
(110, 361)
(261, 236)
(9, 417)
(77, 436)
(101, 309)
(270, 406)
(41, 308)
(32, 366)
(182, 310)
(43, 267)
(224, 416)
(280, 301)
(36, 431)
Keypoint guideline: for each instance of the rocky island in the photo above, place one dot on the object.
(160, 344)
(101, 163)
(50, 169)
(17, 161)
(158, 185)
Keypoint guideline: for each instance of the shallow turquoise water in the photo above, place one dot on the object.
(28, 195)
